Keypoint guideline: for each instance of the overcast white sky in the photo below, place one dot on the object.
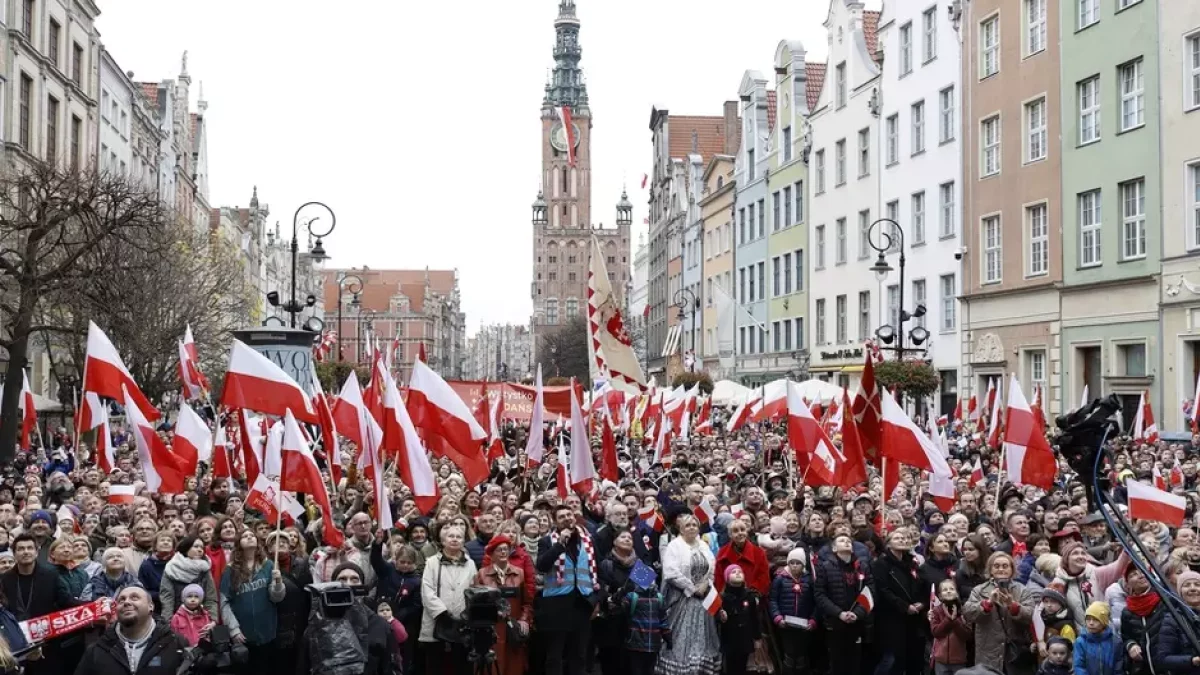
(418, 123)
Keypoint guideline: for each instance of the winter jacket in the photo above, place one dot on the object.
(1088, 586)
(179, 572)
(150, 577)
(740, 628)
(966, 580)
(996, 627)
(163, 654)
(936, 570)
(520, 558)
(897, 586)
(188, 624)
(292, 610)
(475, 548)
(648, 627)
(836, 589)
(249, 608)
(1146, 633)
(753, 561)
(10, 630)
(42, 589)
(75, 579)
(608, 630)
(792, 597)
(103, 586)
(951, 636)
(1172, 649)
(1099, 653)
(442, 587)
(1048, 668)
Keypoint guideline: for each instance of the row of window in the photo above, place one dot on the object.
(948, 302)
(54, 43)
(550, 307)
(785, 335)
(928, 41)
(54, 109)
(916, 226)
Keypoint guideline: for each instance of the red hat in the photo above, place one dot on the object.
(496, 541)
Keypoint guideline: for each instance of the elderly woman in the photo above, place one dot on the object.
(688, 568)
(110, 580)
(1085, 582)
(447, 576)
(1002, 611)
(500, 573)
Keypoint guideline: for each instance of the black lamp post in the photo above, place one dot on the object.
(685, 299)
(882, 241)
(293, 306)
(367, 317)
(354, 284)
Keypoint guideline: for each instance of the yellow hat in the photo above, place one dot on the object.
(1099, 611)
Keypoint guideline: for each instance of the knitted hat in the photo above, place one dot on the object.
(348, 566)
(1056, 596)
(731, 569)
(1100, 611)
(193, 589)
(1066, 550)
(798, 554)
(1186, 575)
(43, 516)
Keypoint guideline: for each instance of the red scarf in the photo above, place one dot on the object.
(1142, 605)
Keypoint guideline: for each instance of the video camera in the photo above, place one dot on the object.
(485, 607)
(332, 599)
(1082, 432)
(215, 654)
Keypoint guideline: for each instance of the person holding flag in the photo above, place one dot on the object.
(842, 588)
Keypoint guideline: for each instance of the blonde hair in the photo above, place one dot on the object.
(1048, 563)
(7, 660)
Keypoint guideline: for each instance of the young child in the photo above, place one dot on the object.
(1056, 616)
(648, 628)
(739, 621)
(406, 605)
(951, 632)
(384, 610)
(1058, 657)
(1098, 651)
(191, 618)
(792, 608)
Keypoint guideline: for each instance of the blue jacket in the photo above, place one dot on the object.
(1171, 649)
(399, 590)
(1099, 654)
(150, 574)
(785, 601)
(103, 587)
(251, 604)
(11, 631)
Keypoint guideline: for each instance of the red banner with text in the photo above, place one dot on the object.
(518, 399)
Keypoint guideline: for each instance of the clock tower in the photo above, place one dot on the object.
(566, 188)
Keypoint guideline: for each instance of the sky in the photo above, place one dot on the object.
(418, 123)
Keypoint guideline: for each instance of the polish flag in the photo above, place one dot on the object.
(903, 442)
(448, 426)
(300, 474)
(272, 459)
(741, 414)
(95, 416)
(563, 479)
(865, 599)
(868, 413)
(994, 421)
(854, 467)
(1176, 475)
(564, 116)
(973, 408)
(941, 488)
(264, 497)
(1148, 503)
(28, 411)
(535, 443)
(350, 413)
(704, 418)
(252, 447)
(121, 494)
(705, 512)
(105, 373)
(495, 432)
(193, 441)
(957, 418)
(649, 516)
(737, 510)
(1027, 453)
(583, 470)
(976, 474)
(712, 601)
(221, 466)
(254, 382)
(400, 437)
(162, 471)
(1144, 428)
(1159, 481)
(191, 388)
(813, 449)
(609, 469)
(329, 432)
(1036, 406)
(991, 393)
(662, 444)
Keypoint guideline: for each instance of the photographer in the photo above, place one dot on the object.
(1001, 611)
(334, 628)
(447, 576)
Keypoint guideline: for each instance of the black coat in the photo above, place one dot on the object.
(44, 595)
(609, 629)
(934, 572)
(1145, 633)
(740, 628)
(837, 586)
(897, 586)
(164, 654)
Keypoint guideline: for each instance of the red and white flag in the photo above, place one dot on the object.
(535, 444)
(737, 510)
(1159, 481)
(161, 469)
(741, 414)
(251, 439)
(865, 599)
(649, 516)
(266, 498)
(95, 416)
(448, 426)
(904, 442)
(195, 384)
(1026, 451)
(254, 382)
(1144, 428)
(712, 601)
(193, 441)
(105, 373)
(943, 492)
(868, 413)
(609, 467)
(333, 451)
(816, 456)
(662, 444)
(706, 513)
(583, 470)
(564, 116)
(400, 437)
(222, 467)
(994, 420)
(854, 466)
(300, 474)
(28, 412)
(976, 473)
(350, 413)
(1149, 503)
(610, 348)
(121, 494)
(495, 417)
(1036, 406)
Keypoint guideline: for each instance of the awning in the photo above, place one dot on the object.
(825, 369)
(852, 369)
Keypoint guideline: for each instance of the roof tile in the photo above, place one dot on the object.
(816, 79)
(150, 91)
(709, 135)
(871, 33)
(772, 109)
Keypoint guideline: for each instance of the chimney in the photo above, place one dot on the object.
(733, 128)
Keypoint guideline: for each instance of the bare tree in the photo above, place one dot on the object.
(51, 223)
(564, 352)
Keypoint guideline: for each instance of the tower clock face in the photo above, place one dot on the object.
(558, 136)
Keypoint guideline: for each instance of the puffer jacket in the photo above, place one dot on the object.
(951, 637)
(836, 589)
(792, 597)
(1099, 653)
(163, 655)
(1172, 649)
(1144, 631)
(897, 586)
(102, 586)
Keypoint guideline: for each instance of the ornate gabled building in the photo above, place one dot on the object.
(562, 225)
(183, 168)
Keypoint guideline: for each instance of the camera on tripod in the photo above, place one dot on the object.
(1082, 432)
(485, 607)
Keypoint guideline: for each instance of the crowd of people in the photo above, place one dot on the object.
(724, 563)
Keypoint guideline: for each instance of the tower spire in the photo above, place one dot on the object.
(567, 86)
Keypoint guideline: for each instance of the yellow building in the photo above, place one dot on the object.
(716, 210)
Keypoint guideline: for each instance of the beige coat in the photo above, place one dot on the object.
(995, 628)
(456, 579)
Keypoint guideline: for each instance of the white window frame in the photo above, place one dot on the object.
(1126, 4)
(1192, 66)
(917, 112)
(949, 302)
(919, 297)
(1192, 194)
(864, 239)
(820, 163)
(1088, 93)
(1037, 361)
(1088, 14)
(989, 46)
(905, 40)
(992, 243)
(1133, 219)
(1132, 81)
(990, 146)
(864, 315)
(840, 82)
(840, 308)
(929, 34)
(892, 129)
(1035, 27)
(1036, 148)
(1037, 232)
(946, 115)
(1090, 207)
(840, 244)
(839, 162)
(947, 225)
(820, 312)
(864, 153)
(819, 263)
(917, 217)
